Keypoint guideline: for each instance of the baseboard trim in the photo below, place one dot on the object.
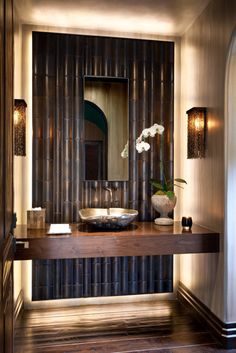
(19, 305)
(224, 333)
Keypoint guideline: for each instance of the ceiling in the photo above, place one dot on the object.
(151, 17)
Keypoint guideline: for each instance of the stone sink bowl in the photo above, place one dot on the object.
(108, 218)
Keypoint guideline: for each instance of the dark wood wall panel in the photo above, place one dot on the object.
(9, 64)
(106, 276)
(2, 118)
(59, 65)
(6, 176)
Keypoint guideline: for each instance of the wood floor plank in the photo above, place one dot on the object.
(164, 327)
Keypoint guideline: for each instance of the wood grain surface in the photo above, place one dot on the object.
(139, 239)
(164, 327)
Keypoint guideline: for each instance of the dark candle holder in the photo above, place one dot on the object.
(187, 223)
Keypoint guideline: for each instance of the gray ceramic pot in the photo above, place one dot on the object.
(163, 204)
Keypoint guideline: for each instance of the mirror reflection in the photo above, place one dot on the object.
(106, 128)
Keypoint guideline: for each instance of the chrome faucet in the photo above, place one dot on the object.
(110, 199)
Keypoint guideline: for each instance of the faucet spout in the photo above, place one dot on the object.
(110, 199)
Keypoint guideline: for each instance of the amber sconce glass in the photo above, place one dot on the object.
(196, 132)
(19, 127)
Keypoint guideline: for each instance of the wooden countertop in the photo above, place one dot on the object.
(139, 239)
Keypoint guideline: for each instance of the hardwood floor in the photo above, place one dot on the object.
(164, 327)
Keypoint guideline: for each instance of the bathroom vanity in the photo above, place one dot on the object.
(139, 239)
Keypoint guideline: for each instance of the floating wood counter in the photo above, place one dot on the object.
(139, 239)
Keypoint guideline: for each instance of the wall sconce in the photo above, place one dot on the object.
(196, 132)
(19, 127)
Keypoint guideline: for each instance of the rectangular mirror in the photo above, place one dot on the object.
(106, 127)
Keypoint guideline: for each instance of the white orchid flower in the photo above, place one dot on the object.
(125, 152)
(139, 139)
(159, 129)
(153, 131)
(142, 146)
(146, 133)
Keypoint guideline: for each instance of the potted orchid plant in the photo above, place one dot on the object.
(166, 187)
(164, 199)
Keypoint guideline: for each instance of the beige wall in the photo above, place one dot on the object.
(23, 165)
(230, 175)
(22, 89)
(204, 52)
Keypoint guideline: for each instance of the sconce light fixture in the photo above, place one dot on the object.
(196, 132)
(19, 127)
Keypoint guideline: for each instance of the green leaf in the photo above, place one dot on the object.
(179, 180)
(165, 186)
(170, 194)
(156, 184)
(170, 184)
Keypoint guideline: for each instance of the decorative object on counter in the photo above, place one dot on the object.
(36, 218)
(163, 204)
(196, 132)
(19, 127)
(187, 223)
(59, 228)
(108, 218)
(164, 200)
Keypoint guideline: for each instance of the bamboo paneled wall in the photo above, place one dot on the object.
(107, 276)
(59, 65)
